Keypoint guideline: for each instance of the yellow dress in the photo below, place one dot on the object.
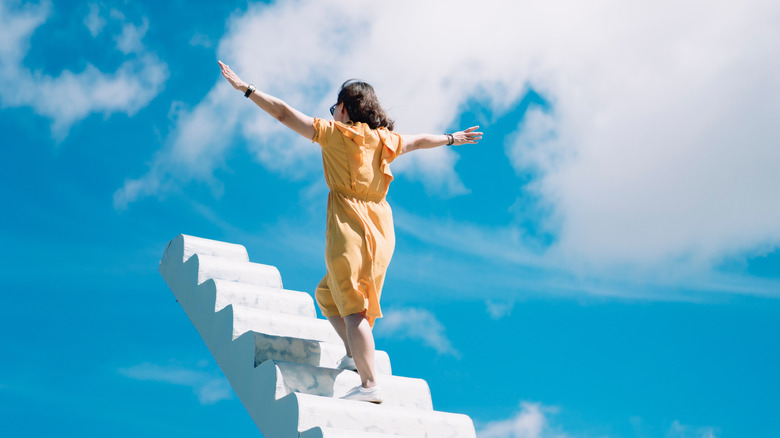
(360, 237)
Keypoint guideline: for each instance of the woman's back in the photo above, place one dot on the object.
(356, 158)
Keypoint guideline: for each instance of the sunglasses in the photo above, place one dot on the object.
(333, 109)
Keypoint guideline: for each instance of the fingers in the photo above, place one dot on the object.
(470, 132)
(225, 69)
(469, 136)
(231, 76)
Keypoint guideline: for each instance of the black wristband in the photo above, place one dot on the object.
(450, 139)
(249, 90)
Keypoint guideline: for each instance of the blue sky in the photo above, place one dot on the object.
(604, 264)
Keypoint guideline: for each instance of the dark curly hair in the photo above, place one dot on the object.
(362, 105)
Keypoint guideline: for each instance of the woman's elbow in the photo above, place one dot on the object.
(406, 147)
(280, 115)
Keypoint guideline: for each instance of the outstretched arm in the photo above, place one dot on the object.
(277, 108)
(427, 141)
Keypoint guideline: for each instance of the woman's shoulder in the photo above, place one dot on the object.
(366, 128)
(359, 132)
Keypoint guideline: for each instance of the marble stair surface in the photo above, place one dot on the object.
(328, 432)
(331, 382)
(281, 360)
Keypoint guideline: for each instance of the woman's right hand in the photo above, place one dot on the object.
(233, 78)
(467, 136)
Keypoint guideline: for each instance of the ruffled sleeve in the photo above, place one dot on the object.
(392, 146)
(323, 129)
(392, 142)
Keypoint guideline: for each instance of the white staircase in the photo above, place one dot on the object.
(281, 359)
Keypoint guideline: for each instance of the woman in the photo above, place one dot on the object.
(357, 148)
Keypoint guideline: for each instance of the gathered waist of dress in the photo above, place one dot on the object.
(360, 196)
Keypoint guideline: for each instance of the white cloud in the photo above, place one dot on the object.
(498, 310)
(658, 147)
(678, 430)
(533, 421)
(530, 422)
(495, 243)
(500, 265)
(196, 149)
(129, 41)
(657, 151)
(201, 40)
(70, 97)
(94, 21)
(209, 387)
(416, 324)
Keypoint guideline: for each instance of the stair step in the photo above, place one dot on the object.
(335, 383)
(259, 297)
(309, 352)
(182, 247)
(220, 268)
(316, 411)
(329, 432)
(247, 319)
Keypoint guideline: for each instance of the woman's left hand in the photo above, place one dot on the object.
(233, 78)
(467, 136)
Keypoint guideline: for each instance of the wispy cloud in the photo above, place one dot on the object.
(201, 40)
(678, 430)
(72, 96)
(130, 40)
(498, 310)
(416, 324)
(532, 421)
(209, 387)
(194, 151)
(510, 270)
(94, 21)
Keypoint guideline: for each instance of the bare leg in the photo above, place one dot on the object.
(361, 342)
(338, 324)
